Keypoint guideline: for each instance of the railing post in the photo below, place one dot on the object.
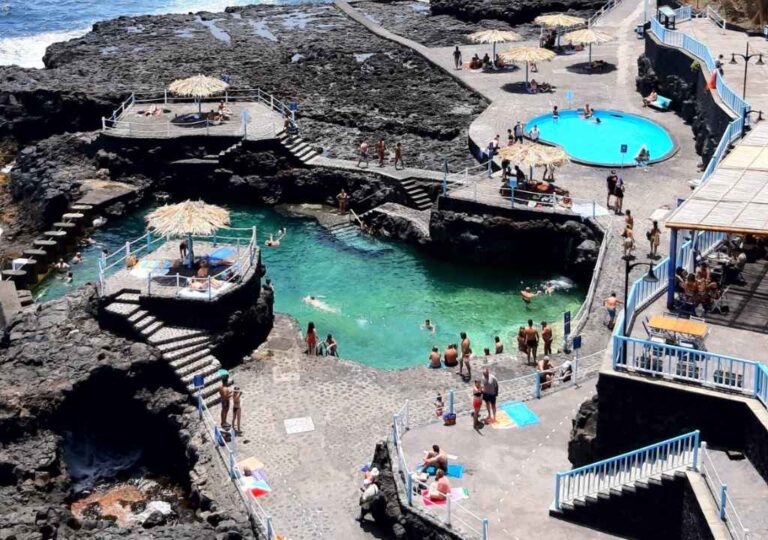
(485, 528)
(149, 283)
(406, 422)
(394, 431)
(271, 102)
(557, 491)
(450, 401)
(165, 96)
(696, 450)
(214, 239)
(409, 488)
(537, 390)
(209, 289)
(149, 240)
(200, 402)
(127, 251)
(448, 513)
(231, 464)
(723, 496)
(270, 532)
(594, 211)
(103, 124)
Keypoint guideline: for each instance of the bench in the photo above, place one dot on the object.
(661, 104)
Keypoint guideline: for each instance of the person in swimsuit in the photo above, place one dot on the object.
(531, 341)
(224, 394)
(451, 356)
(546, 335)
(465, 352)
(311, 339)
(331, 347)
(429, 326)
(610, 305)
(477, 402)
(183, 249)
(499, 345)
(236, 395)
(527, 296)
(434, 359)
(521, 346)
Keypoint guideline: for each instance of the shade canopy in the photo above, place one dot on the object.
(199, 86)
(588, 36)
(559, 19)
(188, 218)
(526, 54)
(535, 155)
(494, 36)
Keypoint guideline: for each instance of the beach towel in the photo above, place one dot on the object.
(255, 485)
(145, 266)
(221, 255)
(455, 470)
(520, 413)
(457, 494)
(197, 294)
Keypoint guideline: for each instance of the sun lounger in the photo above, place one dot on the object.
(189, 293)
(661, 103)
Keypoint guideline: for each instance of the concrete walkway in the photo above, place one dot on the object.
(510, 472)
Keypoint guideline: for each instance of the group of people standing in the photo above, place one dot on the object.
(528, 338)
(381, 153)
(327, 347)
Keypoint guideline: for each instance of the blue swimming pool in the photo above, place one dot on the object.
(600, 143)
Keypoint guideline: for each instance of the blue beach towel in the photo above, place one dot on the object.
(520, 413)
(221, 254)
(455, 470)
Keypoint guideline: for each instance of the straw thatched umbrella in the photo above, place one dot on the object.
(588, 36)
(559, 20)
(494, 36)
(187, 219)
(198, 87)
(535, 155)
(526, 54)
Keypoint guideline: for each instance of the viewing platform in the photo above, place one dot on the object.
(153, 267)
(250, 113)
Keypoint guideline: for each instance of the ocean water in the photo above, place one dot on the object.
(377, 299)
(27, 27)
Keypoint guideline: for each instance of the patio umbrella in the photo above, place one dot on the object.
(526, 54)
(188, 218)
(588, 36)
(494, 36)
(559, 20)
(535, 155)
(198, 87)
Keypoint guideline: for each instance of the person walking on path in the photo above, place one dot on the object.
(236, 409)
(466, 351)
(546, 336)
(510, 138)
(224, 395)
(654, 239)
(531, 341)
(457, 60)
(343, 199)
(619, 195)
(519, 132)
(381, 150)
(363, 153)
(611, 303)
(490, 391)
(610, 182)
(477, 402)
(399, 156)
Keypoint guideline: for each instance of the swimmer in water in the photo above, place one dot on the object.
(549, 288)
(527, 296)
(319, 304)
(429, 326)
(272, 242)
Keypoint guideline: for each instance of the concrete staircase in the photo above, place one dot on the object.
(187, 350)
(418, 196)
(297, 147)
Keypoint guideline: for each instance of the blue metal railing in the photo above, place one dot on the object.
(761, 384)
(672, 454)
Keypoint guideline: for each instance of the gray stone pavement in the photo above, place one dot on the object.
(510, 472)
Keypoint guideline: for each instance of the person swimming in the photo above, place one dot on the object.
(272, 241)
(549, 288)
(527, 296)
(428, 325)
(319, 304)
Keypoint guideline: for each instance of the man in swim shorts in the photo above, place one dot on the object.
(465, 352)
(490, 391)
(225, 395)
(611, 303)
(531, 341)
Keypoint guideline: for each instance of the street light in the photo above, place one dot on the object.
(746, 57)
(650, 277)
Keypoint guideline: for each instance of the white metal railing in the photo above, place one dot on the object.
(717, 19)
(683, 14)
(719, 491)
(227, 452)
(118, 126)
(246, 248)
(608, 6)
(673, 454)
(580, 319)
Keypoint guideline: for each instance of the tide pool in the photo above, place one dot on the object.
(380, 292)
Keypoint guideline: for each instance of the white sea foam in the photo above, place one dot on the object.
(28, 51)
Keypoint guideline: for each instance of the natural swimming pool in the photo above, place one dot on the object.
(382, 293)
(600, 143)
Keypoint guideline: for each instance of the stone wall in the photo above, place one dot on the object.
(674, 74)
(556, 241)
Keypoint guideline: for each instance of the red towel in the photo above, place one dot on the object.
(712, 84)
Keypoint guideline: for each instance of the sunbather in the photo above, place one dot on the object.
(436, 458)
(650, 98)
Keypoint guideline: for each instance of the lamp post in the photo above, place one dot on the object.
(746, 57)
(650, 277)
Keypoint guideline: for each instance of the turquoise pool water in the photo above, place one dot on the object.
(381, 291)
(600, 143)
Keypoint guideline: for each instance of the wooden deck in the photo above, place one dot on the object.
(172, 283)
(263, 122)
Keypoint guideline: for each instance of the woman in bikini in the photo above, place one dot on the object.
(311, 339)
(477, 402)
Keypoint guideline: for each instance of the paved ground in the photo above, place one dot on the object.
(726, 42)
(510, 473)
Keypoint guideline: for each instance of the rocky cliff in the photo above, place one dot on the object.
(513, 12)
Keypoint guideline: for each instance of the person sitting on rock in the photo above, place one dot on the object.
(451, 356)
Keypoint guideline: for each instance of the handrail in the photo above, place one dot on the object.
(716, 18)
(226, 451)
(719, 491)
(671, 454)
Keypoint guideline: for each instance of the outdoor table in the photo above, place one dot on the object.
(718, 257)
(686, 327)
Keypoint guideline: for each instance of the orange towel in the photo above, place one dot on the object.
(712, 84)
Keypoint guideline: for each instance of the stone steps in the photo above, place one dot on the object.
(182, 364)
